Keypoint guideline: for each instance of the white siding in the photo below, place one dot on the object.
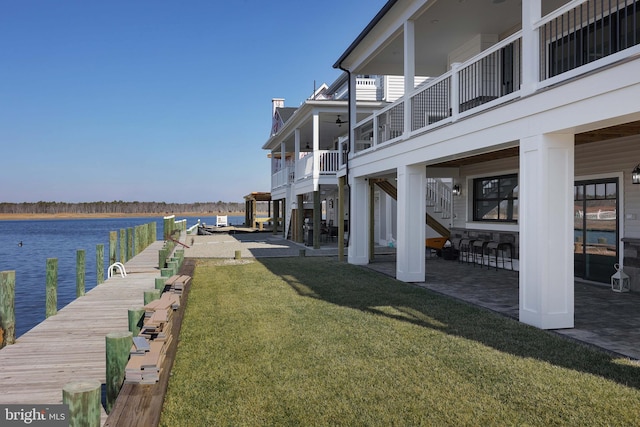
(596, 159)
(472, 48)
(393, 86)
(367, 88)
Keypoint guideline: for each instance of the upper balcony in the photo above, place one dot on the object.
(483, 57)
(319, 165)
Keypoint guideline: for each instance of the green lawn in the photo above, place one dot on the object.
(310, 341)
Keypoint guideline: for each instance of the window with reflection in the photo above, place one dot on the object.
(496, 198)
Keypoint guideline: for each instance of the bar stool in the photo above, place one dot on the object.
(478, 248)
(497, 250)
(465, 250)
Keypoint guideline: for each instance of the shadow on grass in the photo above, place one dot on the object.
(362, 289)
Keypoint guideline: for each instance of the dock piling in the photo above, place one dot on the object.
(7, 307)
(83, 398)
(123, 236)
(80, 272)
(113, 246)
(151, 295)
(100, 263)
(52, 287)
(136, 315)
(118, 346)
(160, 283)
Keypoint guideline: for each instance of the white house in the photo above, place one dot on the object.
(532, 113)
(306, 147)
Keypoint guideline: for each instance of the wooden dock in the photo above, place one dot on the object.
(70, 346)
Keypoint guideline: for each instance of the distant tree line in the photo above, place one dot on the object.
(120, 207)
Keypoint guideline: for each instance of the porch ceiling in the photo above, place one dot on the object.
(442, 26)
(329, 130)
(604, 134)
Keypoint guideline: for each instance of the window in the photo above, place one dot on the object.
(496, 198)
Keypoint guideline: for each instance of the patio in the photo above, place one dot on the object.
(603, 318)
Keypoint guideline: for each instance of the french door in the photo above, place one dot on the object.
(596, 229)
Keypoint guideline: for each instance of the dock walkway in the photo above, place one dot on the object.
(70, 346)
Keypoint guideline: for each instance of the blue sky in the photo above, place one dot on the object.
(143, 100)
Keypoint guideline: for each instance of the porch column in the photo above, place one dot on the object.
(352, 114)
(358, 251)
(546, 231)
(316, 149)
(285, 166)
(409, 70)
(340, 218)
(285, 213)
(276, 215)
(372, 192)
(254, 212)
(411, 223)
(531, 13)
(317, 218)
(300, 219)
(296, 160)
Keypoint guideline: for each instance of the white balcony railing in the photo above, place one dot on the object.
(484, 79)
(283, 176)
(583, 32)
(580, 36)
(328, 163)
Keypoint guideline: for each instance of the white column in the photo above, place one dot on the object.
(546, 231)
(296, 160)
(359, 222)
(283, 160)
(316, 149)
(411, 224)
(409, 70)
(531, 13)
(352, 112)
(455, 90)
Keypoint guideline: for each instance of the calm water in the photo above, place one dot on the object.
(42, 239)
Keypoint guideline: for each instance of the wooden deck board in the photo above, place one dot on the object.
(140, 404)
(70, 346)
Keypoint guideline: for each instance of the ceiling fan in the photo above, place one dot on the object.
(340, 122)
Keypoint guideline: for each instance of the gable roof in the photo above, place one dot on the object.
(286, 113)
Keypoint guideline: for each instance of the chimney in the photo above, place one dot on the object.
(276, 103)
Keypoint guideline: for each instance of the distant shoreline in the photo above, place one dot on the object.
(16, 217)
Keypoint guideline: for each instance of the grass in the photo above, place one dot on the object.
(309, 341)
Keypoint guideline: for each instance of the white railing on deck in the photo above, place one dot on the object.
(432, 103)
(328, 163)
(304, 166)
(586, 31)
(572, 39)
(283, 176)
(491, 77)
(391, 122)
(493, 74)
(365, 81)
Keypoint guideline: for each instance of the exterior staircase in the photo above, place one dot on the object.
(439, 199)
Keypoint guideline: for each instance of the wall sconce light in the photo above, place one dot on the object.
(456, 190)
(635, 175)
